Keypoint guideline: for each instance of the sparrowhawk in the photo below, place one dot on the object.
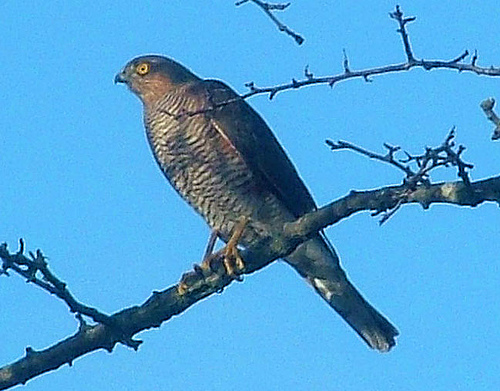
(223, 159)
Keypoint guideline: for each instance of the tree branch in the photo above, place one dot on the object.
(366, 74)
(31, 267)
(386, 198)
(445, 155)
(269, 8)
(487, 105)
(162, 306)
(411, 62)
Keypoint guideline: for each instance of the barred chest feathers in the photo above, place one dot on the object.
(199, 164)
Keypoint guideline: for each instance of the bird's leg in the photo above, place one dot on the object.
(205, 264)
(233, 263)
(210, 247)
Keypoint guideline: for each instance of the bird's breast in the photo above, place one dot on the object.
(206, 169)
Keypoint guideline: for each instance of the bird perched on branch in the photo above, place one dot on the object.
(223, 159)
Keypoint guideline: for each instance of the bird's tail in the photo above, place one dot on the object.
(316, 261)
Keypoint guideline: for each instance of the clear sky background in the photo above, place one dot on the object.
(79, 182)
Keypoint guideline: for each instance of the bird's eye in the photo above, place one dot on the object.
(143, 68)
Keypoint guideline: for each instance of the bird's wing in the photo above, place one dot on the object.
(245, 129)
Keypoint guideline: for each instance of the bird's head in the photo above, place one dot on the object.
(151, 77)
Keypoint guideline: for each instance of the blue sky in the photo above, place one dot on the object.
(79, 182)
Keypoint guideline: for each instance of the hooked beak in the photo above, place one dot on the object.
(120, 77)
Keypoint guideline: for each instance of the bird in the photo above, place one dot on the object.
(223, 159)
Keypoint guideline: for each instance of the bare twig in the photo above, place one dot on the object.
(474, 58)
(36, 265)
(388, 158)
(487, 105)
(442, 155)
(367, 73)
(402, 21)
(307, 73)
(390, 212)
(309, 79)
(269, 8)
(411, 62)
(345, 62)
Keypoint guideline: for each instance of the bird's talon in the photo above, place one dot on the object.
(240, 264)
(233, 263)
(182, 288)
(206, 264)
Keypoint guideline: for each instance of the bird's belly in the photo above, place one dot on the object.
(219, 184)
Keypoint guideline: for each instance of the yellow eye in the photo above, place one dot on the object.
(143, 68)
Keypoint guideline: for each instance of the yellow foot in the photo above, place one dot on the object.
(233, 263)
(182, 287)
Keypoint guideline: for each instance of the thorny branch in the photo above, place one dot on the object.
(269, 8)
(35, 269)
(162, 306)
(445, 155)
(411, 62)
(365, 74)
(388, 158)
(487, 105)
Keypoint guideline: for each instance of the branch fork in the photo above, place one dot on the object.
(456, 63)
